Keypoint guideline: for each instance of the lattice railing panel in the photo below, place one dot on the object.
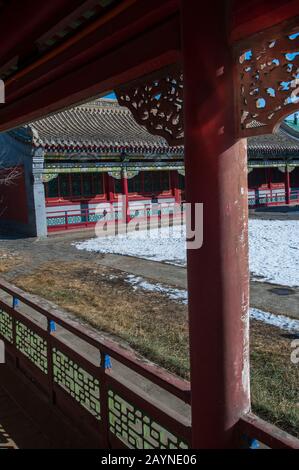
(54, 221)
(33, 346)
(136, 429)
(6, 326)
(76, 381)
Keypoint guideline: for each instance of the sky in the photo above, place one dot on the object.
(110, 96)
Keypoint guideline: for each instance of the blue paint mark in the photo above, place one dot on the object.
(248, 55)
(291, 55)
(254, 444)
(15, 302)
(107, 363)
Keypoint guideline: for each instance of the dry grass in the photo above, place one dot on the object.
(9, 260)
(145, 320)
(274, 378)
(157, 327)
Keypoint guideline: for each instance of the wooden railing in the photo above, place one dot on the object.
(272, 198)
(65, 362)
(120, 413)
(79, 218)
(83, 218)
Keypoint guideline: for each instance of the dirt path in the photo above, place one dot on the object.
(265, 296)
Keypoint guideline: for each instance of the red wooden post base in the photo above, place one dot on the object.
(125, 193)
(216, 175)
(287, 185)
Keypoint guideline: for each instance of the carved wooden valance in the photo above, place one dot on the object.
(267, 79)
(266, 84)
(156, 103)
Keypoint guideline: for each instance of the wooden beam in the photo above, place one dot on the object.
(122, 64)
(253, 16)
(19, 31)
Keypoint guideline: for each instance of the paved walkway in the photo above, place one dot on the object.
(276, 212)
(265, 296)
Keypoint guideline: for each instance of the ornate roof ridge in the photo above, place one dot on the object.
(96, 127)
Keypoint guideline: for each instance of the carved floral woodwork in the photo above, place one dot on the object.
(267, 79)
(266, 88)
(156, 103)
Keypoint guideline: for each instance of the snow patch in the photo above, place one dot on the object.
(165, 244)
(180, 295)
(274, 251)
(282, 322)
(273, 248)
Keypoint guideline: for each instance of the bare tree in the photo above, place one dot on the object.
(8, 177)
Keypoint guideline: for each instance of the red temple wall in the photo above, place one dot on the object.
(13, 198)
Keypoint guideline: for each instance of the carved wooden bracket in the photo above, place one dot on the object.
(266, 85)
(156, 102)
(118, 175)
(267, 79)
(47, 177)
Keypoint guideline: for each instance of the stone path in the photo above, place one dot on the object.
(265, 296)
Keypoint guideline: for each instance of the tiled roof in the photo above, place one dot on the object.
(278, 145)
(97, 128)
(102, 127)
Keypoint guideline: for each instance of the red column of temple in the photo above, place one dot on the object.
(109, 187)
(175, 186)
(287, 185)
(218, 281)
(125, 193)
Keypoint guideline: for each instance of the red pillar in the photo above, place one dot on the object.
(175, 186)
(287, 185)
(125, 193)
(109, 187)
(218, 281)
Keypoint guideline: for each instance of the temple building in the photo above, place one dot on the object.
(273, 167)
(72, 166)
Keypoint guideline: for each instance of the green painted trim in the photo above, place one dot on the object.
(104, 168)
(269, 164)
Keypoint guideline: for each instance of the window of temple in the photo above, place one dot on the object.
(135, 184)
(294, 178)
(257, 178)
(75, 186)
(276, 176)
(52, 188)
(64, 185)
(181, 182)
(146, 182)
(155, 181)
(118, 186)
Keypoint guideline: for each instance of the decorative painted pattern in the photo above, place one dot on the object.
(156, 103)
(268, 79)
(77, 382)
(6, 326)
(136, 429)
(33, 346)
